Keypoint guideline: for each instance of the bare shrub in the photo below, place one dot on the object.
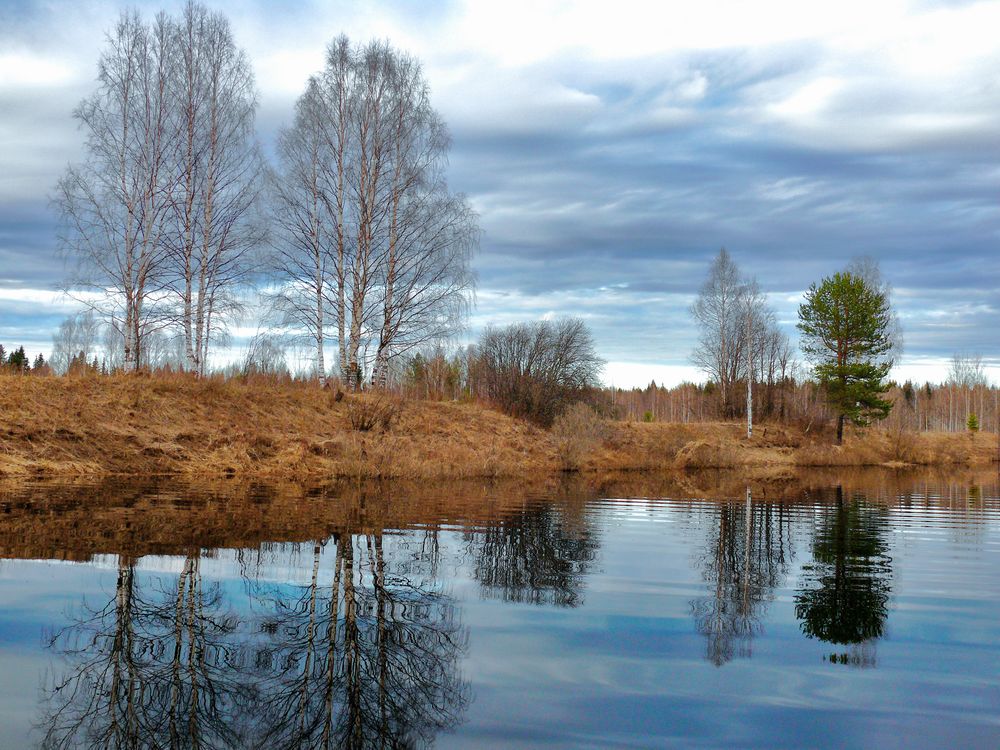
(533, 370)
(904, 446)
(369, 412)
(577, 430)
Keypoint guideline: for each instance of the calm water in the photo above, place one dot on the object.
(834, 612)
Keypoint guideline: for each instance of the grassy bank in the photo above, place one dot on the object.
(92, 426)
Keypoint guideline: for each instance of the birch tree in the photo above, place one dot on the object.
(736, 330)
(301, 202)
(114, 205)
(161, 214)
(380, 243)
(215, 226)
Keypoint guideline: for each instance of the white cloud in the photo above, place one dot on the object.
(640, 374)
(28, 70)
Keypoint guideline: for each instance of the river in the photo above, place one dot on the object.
(850, 610)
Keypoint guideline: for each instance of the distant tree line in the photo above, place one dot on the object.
(18, 362)
(916, 407)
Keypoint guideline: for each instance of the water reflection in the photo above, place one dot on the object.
(363, 617)
(151, 667)
(360, 656)
(538, 553)
(845, 598)
(744, 559)
(365, 651)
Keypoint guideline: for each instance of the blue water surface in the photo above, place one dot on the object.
(835, 615)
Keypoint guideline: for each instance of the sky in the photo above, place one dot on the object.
(611, 150)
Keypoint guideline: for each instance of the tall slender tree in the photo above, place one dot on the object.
(371, 235)
(847, 333)
(215, 225)
(116, 203)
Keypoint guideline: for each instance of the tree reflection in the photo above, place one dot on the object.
(361, 655)
(149, 669)
(845, 599)
(746, 558)
(367, 657)
(537, 553)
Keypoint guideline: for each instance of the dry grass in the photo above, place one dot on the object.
(267, 428)
(280, 429)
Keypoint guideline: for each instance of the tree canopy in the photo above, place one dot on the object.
(848, 333)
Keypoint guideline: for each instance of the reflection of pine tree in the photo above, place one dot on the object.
(538, 554)
(746, 558)
(845, 599)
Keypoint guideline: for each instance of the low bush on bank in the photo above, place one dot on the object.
(578, 430)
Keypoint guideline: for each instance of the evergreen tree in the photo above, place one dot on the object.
(847, 332)
(908, 392)
(18, 360)
(972, 423)
(39, 363)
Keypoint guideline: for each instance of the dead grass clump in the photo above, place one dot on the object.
(368, 412)
(702, 454)
(818, 454)
(950, 452)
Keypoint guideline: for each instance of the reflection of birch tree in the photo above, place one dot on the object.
(746, 558)
(361, 656)
(846, 594)
(533, 555)
(149, 669)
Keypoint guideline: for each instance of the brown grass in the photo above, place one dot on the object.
(280, 429)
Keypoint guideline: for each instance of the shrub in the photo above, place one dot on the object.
(577, 431)
(647, 416)
(365, 413)
(972, 423)
(534, 370)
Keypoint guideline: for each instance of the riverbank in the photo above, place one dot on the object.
(121, 425)
(80, 519)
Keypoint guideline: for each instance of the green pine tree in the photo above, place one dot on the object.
(18, 360)
(972, 423)
(846, 327)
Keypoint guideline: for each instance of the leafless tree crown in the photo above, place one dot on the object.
(372, 243)
(733, 316)
(160, 215)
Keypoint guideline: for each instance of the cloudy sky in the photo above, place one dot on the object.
(611, 149)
